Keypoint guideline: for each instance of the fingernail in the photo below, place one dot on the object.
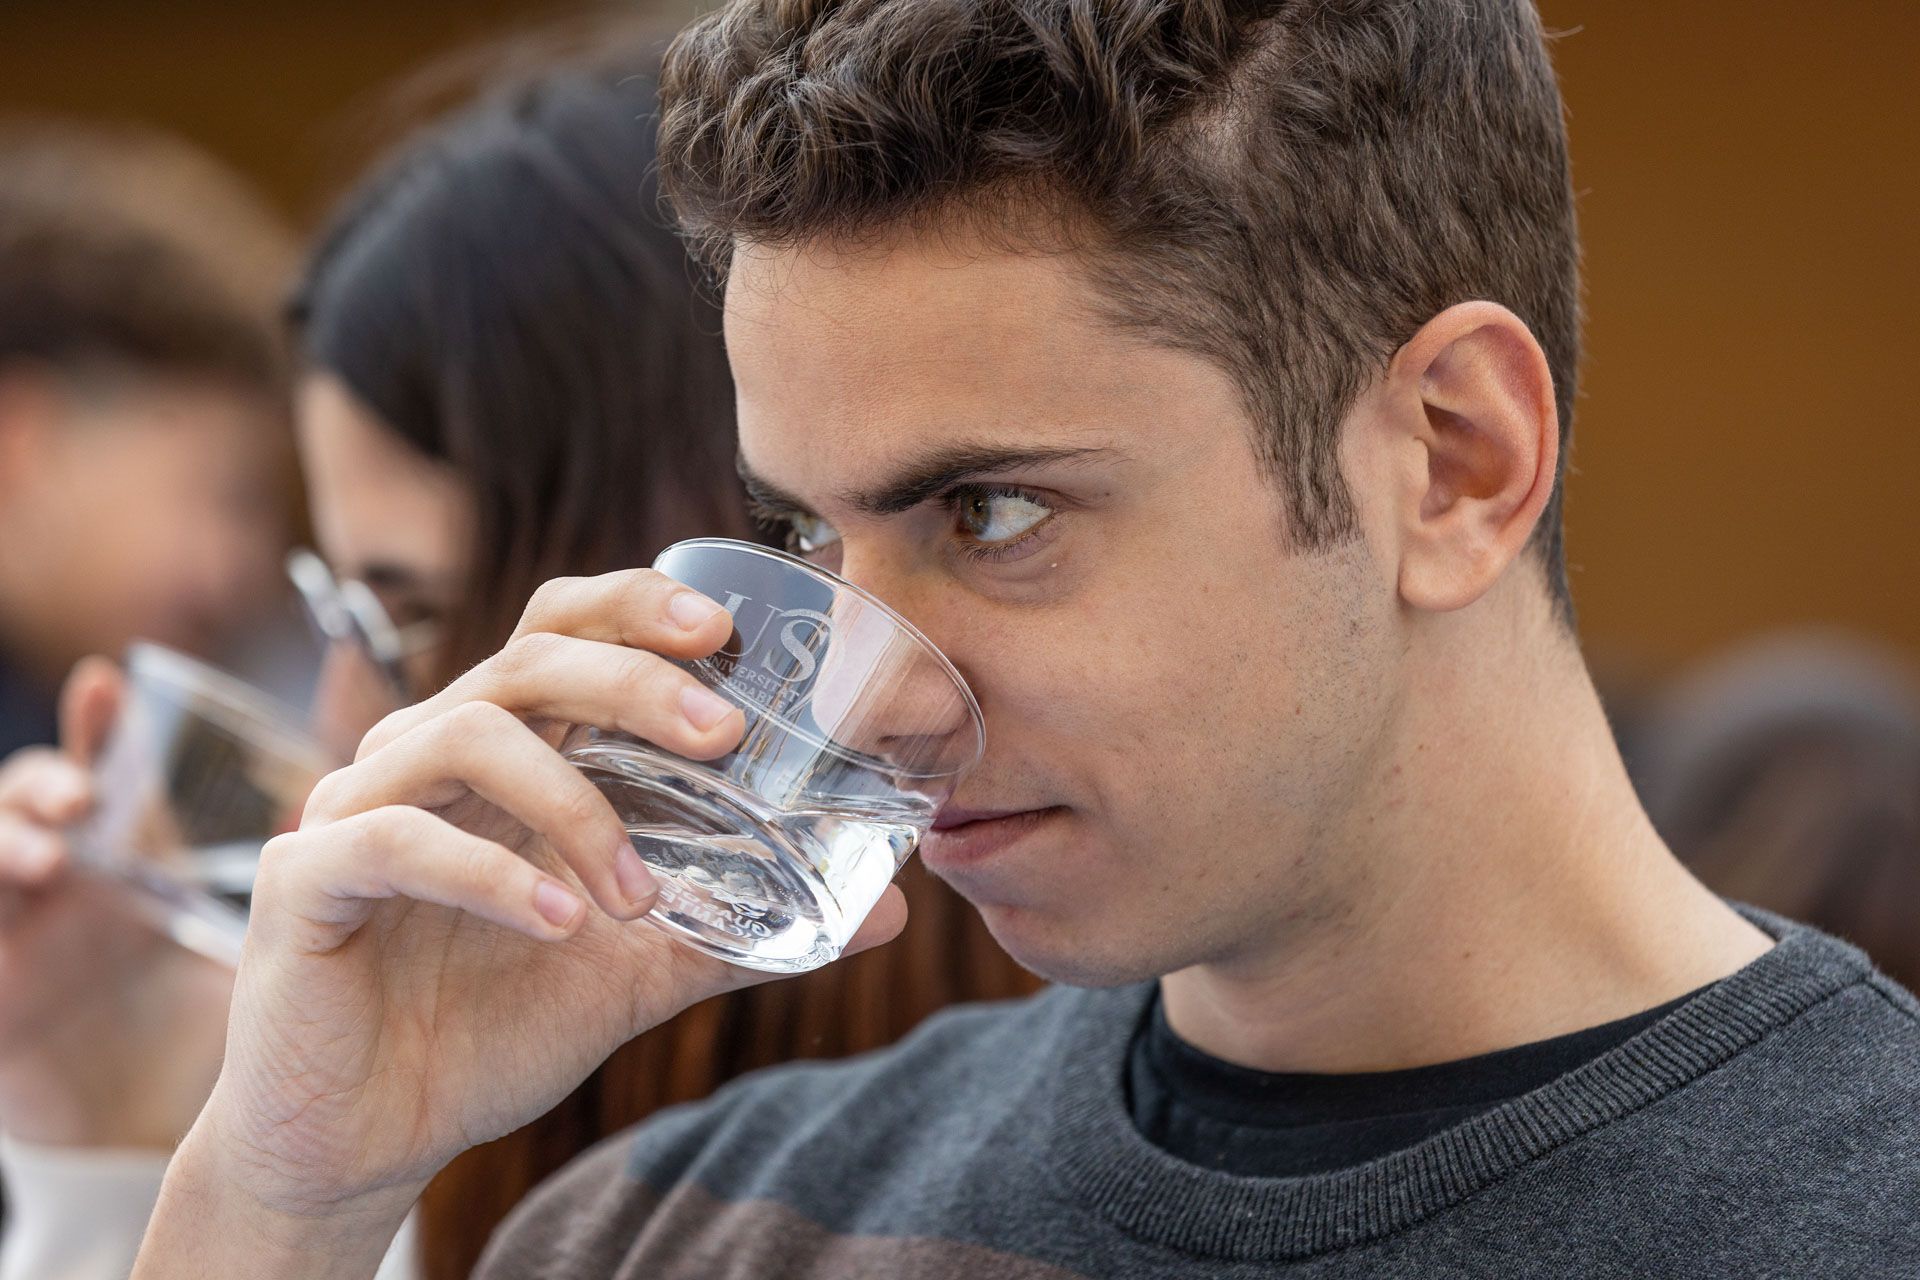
(555, 905)
(691, 609)
(703, 707)
(631, 873)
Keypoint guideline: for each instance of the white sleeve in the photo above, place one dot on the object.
(78, 1213)
(75, 1213)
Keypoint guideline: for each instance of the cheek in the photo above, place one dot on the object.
(180, 517)
(1110, 709)
(134, 525)
(1177, 737)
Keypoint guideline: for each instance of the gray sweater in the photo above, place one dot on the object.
(1770, 1126)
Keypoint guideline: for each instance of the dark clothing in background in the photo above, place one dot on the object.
(27, 711)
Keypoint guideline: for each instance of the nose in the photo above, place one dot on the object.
(350, 697)
(885, 691)
(833, 663)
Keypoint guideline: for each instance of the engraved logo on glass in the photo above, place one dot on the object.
(772, 658)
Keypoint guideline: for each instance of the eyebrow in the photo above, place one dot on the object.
(920, 479)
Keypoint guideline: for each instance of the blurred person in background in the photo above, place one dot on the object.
(145, 462)
(143, 440)
(509, 375)
(1786, 773)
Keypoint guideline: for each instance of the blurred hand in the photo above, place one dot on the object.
(451, 941)
(110, 1035)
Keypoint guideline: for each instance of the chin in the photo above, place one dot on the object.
(1067, 951)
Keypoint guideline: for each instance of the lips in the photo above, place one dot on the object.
(967, 837)
(951, 816)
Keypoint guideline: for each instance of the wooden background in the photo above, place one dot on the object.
(1748, 451)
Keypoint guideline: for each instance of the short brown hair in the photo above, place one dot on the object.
(126, 247)
(1289, 189)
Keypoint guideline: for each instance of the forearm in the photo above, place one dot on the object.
(209, 1225)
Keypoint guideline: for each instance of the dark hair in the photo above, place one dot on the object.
(126, 248)
(1290, 189)
(506, 296)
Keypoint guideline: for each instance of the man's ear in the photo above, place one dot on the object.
(1470, 393)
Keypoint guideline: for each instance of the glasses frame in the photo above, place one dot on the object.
(346, 611)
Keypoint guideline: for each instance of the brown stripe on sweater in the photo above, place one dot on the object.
(595, 1223)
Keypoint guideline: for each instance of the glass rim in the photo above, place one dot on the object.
(913, 633)
(236, 706)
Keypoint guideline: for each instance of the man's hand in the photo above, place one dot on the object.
(452, 940)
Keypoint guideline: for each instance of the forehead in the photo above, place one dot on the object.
(840, 356)
(375, 499)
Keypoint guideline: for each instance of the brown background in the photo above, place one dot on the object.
(1749, 450)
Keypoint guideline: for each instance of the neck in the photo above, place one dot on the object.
(1513, 890)
(128, 1071)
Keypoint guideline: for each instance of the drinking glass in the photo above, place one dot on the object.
(857, 728)
(199, 771)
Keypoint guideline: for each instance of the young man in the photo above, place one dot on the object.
(1196, 376)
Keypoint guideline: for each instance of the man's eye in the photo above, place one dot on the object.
(807, 535)
(999, 515)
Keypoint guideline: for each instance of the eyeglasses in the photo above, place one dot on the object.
(348, 612)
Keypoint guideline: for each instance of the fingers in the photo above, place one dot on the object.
(30, 855)
(325, 883)
(883, 923)
(45, 787)
(483, 748)
(566, 679)
(638, 608)
(41, 793)
(89, 702)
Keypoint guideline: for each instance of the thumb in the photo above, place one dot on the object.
(89, 704)
(883, 923)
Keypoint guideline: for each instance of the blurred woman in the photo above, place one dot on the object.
(512, 377)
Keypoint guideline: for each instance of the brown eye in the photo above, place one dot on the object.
(999, 516)
(807, 534)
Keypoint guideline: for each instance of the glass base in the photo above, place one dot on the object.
(737, 878)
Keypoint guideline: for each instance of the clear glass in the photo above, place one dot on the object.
(857, 728)
(199, 772)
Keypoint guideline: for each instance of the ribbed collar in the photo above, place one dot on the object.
(1153, 1196)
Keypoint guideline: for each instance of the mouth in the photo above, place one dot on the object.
(966, 837)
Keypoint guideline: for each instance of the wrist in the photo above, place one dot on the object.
(217, 1219)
